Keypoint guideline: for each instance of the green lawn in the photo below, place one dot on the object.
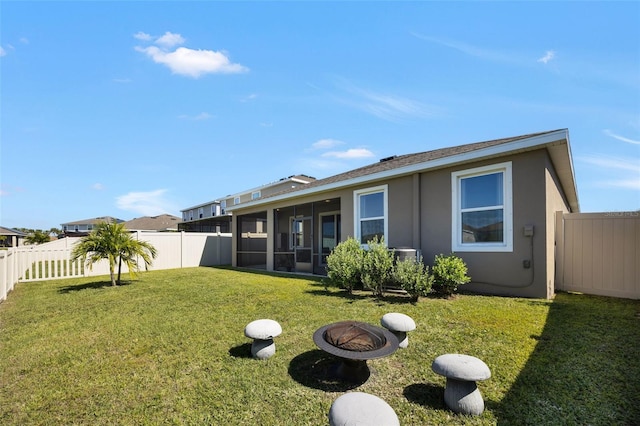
(169, 348)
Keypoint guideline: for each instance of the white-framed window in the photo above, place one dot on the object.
(236, 201)
(370, 209)
(255, 195)
(223, 206)
(213, 209)
(190, 214)
(482, 210)
(200, 212)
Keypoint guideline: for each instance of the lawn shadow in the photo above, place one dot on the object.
(241, 351)
(316, 369)
(426, 394)
(584, 367)
(92, 285)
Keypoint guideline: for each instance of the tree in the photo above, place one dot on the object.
(113, 242)
(37, 237)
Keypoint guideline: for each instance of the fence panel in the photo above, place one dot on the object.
(51, 261)
(599, 253)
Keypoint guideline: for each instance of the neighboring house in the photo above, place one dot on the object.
(11, 237)
(213, 216)
(161, 223)
(81, 228)
(492, 203)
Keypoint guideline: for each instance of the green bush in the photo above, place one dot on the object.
(377, 266)
(344, 265)
(412, 276)
(449, 272)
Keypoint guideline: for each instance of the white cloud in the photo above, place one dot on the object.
(621, 173)
(548, 56)
(142, 36)
(620, 138)
(150, 203)
(350, 153)
(249, 98)
(24, 40)
(385, 106)
(468, 49)
(185, 61)
(326, 143)
(198, 117)
(97, 186)
(2, 51)
(122, 80)
(170, 39)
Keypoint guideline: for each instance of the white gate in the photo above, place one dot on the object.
(598, 253)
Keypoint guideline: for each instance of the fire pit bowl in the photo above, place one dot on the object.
(354, 343)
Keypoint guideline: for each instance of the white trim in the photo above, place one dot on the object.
(507, 196)
(356, 210)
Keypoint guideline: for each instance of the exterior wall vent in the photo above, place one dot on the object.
(382, 160)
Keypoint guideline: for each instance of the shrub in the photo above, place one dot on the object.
(449, 272)
(413, 277)
(377, 266)
(344, 265)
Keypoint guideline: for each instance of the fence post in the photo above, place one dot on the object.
(559, 238)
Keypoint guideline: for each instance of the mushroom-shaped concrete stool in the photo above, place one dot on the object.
(262, 332)
(359, 408)
(461, 394)
(399, 324)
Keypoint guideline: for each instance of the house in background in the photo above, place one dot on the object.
(11, 237)
(492, 203)
(160, 223)
(81, 228)
(213, 216)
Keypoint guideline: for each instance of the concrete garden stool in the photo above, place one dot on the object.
(359, 408)
(262, 332)
(399, 324)
(461, 394)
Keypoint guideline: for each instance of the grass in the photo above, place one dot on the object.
(169, 348)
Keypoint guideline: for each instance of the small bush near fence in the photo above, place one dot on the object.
(349, 266)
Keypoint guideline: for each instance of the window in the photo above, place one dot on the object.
(255, 195)
(223, 206)
(481, 206)
(200, 212)
(236, 201)
(370, 214)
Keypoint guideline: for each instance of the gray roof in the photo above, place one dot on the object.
(444, 157)
(163, 222)
(11, 232)
(94, 221)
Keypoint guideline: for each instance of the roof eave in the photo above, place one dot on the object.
(562, 162)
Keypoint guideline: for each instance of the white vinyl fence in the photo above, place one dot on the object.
(599, 253)
(51, 261)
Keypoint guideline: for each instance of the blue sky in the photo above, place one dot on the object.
(130, 109)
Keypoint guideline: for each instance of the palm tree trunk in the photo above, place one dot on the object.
(119, 268)
(112, 273)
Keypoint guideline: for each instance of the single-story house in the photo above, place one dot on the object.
(160, 223)
(81, 228)
(11, 237)
(492, 203)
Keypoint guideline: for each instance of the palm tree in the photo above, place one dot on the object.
(112, 241)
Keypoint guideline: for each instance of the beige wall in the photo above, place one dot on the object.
(420, 217)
